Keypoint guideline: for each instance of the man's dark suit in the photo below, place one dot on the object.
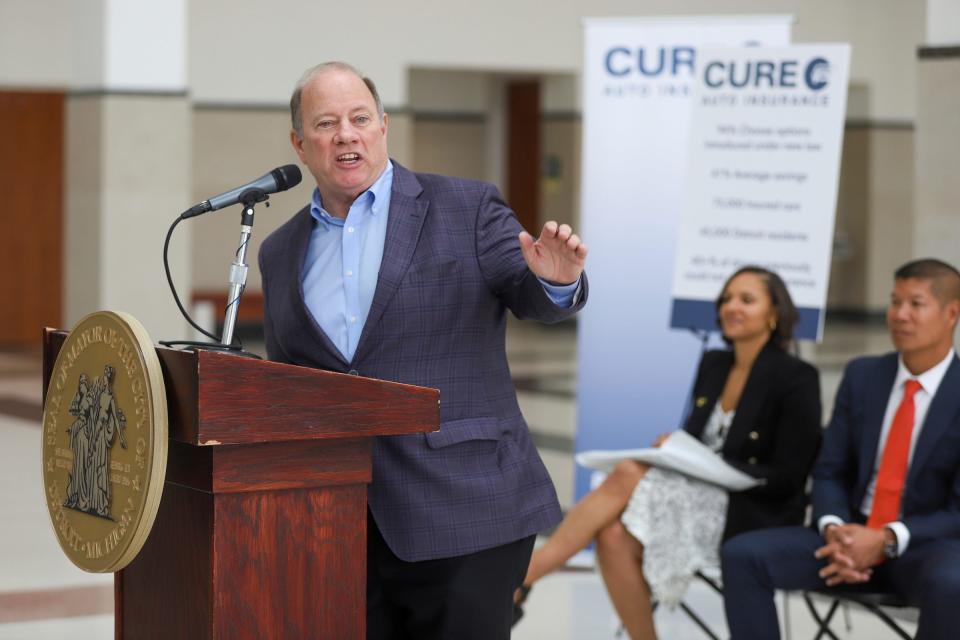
(451, 268)
(928, 574)
(775, 434)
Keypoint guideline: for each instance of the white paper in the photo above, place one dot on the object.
(682, 453)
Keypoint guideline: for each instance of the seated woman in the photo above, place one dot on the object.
(759, 408)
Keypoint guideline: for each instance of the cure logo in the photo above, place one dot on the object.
(650, 62)
(755, 74)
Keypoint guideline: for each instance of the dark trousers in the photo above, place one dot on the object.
(756, 563)
(458, 598)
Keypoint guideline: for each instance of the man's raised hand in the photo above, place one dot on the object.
(557, 256)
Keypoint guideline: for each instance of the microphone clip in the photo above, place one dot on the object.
(252, 196)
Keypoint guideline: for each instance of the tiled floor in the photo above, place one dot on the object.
(43, 596)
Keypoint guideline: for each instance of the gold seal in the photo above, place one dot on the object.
(104, 441)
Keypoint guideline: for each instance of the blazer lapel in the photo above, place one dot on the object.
(407, 213)
(940, 416)
(301, 239)
(876, 396)
(708, 394)
(751, 399)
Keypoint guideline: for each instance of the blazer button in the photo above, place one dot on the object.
(752, 460)
(354, 372)
(754, 435)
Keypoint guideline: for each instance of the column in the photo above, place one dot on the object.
(937, 146)
(128, 171)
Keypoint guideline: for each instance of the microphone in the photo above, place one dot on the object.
(280, 179)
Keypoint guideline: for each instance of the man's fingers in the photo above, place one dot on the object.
(848, 576)
(526, 240)
(843, 559)
(557, 241)
(526, 246)
(825, 551)
(830, 570)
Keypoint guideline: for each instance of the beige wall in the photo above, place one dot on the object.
(848, 268)
(883, 35)
(874, 215)
(231, 146)
(890, 223)
(560, 195)
(454, 146)
(938, 141)
(36, 40)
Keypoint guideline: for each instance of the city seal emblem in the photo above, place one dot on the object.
(104, 441)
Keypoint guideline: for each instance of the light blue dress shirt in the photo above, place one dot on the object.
(343, 263)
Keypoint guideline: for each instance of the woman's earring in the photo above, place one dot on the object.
(773, 324)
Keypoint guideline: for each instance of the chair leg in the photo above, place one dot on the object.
(890, 622)
(698, 621)
(847, 621)
(787, 628)
(712, 583)
(823, 622)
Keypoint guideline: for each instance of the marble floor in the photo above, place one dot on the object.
(43, 596)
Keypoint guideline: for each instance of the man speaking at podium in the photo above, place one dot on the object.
(407, 277)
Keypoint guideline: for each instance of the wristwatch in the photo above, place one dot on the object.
(891, 548)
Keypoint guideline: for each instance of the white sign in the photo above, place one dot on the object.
(762, 170)
(638, 80)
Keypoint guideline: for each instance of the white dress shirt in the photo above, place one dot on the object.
(718, 427)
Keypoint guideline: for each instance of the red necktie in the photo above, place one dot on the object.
(893, 463)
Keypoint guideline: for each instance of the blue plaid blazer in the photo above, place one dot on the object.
(451, 269)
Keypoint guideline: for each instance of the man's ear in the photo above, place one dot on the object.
(953, 311)
(297, 143)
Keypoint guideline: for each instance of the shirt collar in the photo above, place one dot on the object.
(371, 197)
(930, 379)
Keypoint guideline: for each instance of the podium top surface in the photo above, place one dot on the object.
(216, 398)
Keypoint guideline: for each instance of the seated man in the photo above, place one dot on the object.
(886, 485)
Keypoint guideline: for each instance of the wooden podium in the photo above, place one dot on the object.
(261, 531)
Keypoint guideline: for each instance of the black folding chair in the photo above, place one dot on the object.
(875, 603)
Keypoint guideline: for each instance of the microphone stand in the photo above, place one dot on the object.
(238, 270)
(237, 281)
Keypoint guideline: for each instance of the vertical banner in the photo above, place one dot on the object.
(763, 169)
(634, 372)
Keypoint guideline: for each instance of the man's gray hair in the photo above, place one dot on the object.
(296, 115)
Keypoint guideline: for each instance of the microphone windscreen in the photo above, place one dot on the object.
(287, 176)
